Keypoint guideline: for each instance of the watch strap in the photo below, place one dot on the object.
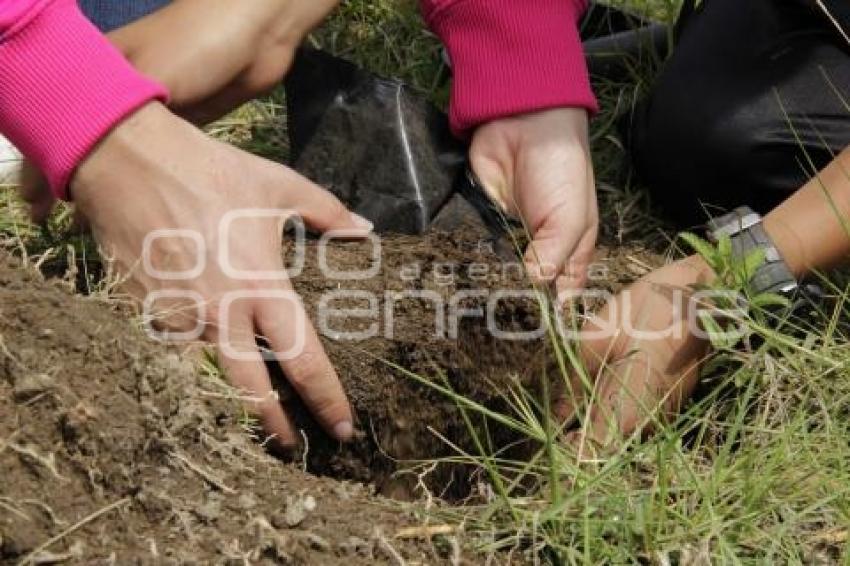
(746, 233)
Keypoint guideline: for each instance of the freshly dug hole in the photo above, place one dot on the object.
(93, 415)
(434, 306)
(449, 309)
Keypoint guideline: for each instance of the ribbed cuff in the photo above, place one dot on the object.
(63, 87)
(511, 57)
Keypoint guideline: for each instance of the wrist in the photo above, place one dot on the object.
(119, 153)
(62, 87)
(787, 243)
(567, 123)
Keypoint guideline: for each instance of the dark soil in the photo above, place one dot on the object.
(102, 429)
(400, 418)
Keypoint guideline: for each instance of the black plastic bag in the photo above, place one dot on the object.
(380, 147)
(387, 152)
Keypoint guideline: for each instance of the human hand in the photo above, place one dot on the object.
(214, 55)
(537, 166)
(641, 357)
(157, 172)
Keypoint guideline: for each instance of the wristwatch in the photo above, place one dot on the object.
(744, 228)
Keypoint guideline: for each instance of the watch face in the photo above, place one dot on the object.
(789, 287)
(733, 223)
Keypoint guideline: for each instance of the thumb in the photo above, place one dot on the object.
(552, 244)
(320, 209)
(492, 174)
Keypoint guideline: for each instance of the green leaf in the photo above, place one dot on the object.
(752, 262)
(700, 246)
(718, 363)
(720, 338)
(765, 300)
(724, 247)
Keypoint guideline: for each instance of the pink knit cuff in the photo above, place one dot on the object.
(63, 87)
(511, 57)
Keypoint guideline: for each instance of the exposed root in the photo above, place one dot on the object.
(47, 557)
(423, 487)
(185, 524)
(9, 504)
(48, 461)
(306, 452)
(5, 351)
(32, 557)
(231, 453)
(425, 532)
(207, 476)
(389, 549)
(48, 510)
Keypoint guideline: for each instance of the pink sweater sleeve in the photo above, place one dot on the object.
(63, 86)
(511, 57)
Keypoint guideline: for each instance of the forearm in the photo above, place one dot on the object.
(236, 51)
(811, 229)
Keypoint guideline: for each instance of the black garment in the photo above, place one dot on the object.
(751, 88)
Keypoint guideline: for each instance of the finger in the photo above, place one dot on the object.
(320, 209)
(35, 191)
(246, 371)
(598, 343)
(304, 362)
(574, 273)
(490, 166)
(562, 211)
(572, 391)
(554, 241)
(640, 391)
(564, 242)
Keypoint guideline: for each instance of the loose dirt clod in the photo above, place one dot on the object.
(295, 512)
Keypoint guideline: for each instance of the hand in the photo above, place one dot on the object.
(155, 171)
(35, 191)
(214, 55)
(638, 379)
(537, 166)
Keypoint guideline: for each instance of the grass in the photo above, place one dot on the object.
(756, 471)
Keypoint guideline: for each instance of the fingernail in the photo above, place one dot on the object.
(343, 431)
(362, 223)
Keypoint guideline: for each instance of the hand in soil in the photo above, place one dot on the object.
(537, 166)
(644, 361)
(155, 172)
